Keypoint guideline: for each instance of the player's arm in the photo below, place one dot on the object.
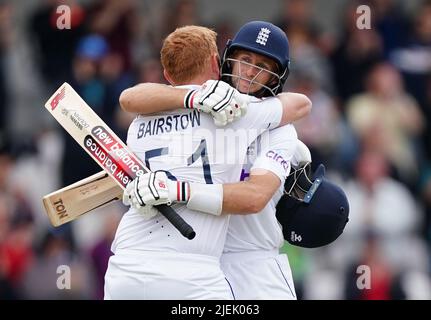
(260, 187)
(147, 98)
(295, 106)
(274, 112)
(223, 102)
(244, 197)
(251, 196)
(269, 170)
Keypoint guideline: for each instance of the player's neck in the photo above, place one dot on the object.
(199, 80)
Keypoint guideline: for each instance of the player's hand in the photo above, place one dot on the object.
(152, 189)
(129, 199)
(236, 110)
(219, 99)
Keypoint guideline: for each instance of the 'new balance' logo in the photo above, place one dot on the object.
(295, 237)
(263, 35)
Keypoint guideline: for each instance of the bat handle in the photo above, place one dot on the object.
(183, 227)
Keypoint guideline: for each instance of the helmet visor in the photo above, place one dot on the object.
(249, 78)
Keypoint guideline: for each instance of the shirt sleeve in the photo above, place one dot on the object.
(276, 151)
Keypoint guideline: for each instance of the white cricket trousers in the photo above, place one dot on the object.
(146, 275)
(259, 275)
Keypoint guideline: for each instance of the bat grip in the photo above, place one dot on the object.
(183, 227)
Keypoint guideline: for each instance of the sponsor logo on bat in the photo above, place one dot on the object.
(60, 209)
(58, 97)
(123, 156)
(115, 168)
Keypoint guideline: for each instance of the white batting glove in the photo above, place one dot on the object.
(153, 189)
(236, 110)
(219, 99)
(129, 200)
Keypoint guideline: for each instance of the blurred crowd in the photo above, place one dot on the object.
(370, 125)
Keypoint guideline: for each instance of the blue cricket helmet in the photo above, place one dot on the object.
(262, 38)
(318, 221)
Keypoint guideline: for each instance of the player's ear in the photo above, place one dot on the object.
(215, 65)
(168, 77)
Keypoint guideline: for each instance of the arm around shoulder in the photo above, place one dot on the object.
(147, 98)
(246, 197)
(250, 196)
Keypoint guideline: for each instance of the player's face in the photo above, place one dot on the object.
(253, 70)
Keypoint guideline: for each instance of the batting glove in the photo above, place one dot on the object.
(219, 99)
(152, 189)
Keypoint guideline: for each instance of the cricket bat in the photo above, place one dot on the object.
(71, 202)
(103, 145)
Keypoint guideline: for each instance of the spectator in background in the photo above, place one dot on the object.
(324, 131)
(427, 112)
(425, 173)
(149, 70)
(357, 52)
(17, 248)
(225, 31)
(90, 52)
(42, 279)
(414, 58)
(390, 22)
(180, 13)
(115, 80)
(386, 281)
(54, 48)
(87, 82)
(118, 22)
(16, 235)
(297, 15)
(384, 206)
(386, 118)
(5, 26)
(382, 233)
(101, 251)
(7, 290)
(296, 21)
(381, 282)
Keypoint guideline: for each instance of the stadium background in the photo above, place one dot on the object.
(370, 126)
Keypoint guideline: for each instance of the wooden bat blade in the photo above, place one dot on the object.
(94, 136)
(103, 145)
(69, 203)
